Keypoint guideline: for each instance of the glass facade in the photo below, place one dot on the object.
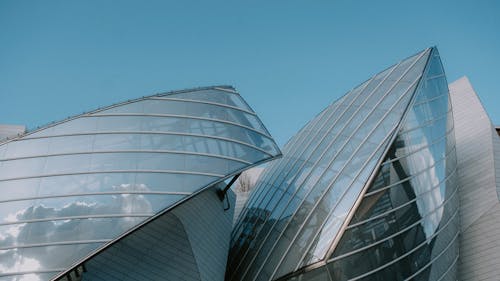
(370, 181)
(72, 187)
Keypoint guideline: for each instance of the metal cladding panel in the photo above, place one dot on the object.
(474, 152)
(303, 199)
(478, 154)
(190, 242)
(73, 187)
(208, 227)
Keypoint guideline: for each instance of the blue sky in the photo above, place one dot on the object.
(288, 59)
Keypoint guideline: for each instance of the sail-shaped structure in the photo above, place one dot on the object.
(77, 189)
(365, 191)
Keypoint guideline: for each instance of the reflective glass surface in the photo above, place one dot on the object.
(72, 186)
(299, 207)
(407, 223)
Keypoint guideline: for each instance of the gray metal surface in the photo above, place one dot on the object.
(188, 243)
(478, 155)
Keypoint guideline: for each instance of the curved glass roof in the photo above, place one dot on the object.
(73, 187)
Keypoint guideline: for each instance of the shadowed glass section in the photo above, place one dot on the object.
(302, 201)
(74, 186)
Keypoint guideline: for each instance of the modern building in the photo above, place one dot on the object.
(133, 191)
(399, 179)
(367, 190)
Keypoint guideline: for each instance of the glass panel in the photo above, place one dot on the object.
(135, 107)
(70, 144)
(36, 258)
(400, 246)
(67, 164)
(216, 96)
(102, 205)
(77, 125)
(65, 230)
(22, 168)
(11, 260)
(158, 106)
(117, 123)
(25, 148)
(122, 182)
(17, 189)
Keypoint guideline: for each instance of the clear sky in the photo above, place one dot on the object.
(288, 59)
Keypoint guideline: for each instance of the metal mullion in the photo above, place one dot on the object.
(431, 99)
(227, 90)
(375, 243)
(299, 143)
(412, 250)
(325, 150)
(145, 215)
(131, 151)
(152, 133)
(32, 272)
(61, 243)
(410, 177)
(98, 193)
(348, 161)
(436, 76)
(180, 116)
(205, 102)
(115, 171)
(316, 134)
(433, 188)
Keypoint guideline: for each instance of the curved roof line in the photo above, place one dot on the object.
(225, 88)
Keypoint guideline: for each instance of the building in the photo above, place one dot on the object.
(367, 190)
(399, 179)
(133, 191)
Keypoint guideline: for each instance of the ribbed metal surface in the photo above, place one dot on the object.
(208, 227)
(189, 243)
(75, 186)
(478, 154)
